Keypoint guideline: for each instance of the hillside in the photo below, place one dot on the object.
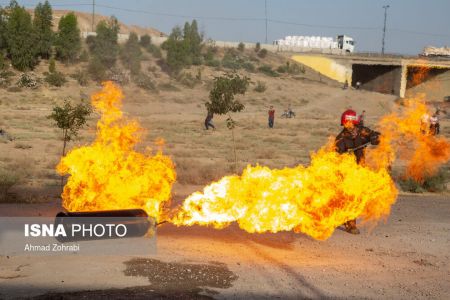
(85, 23)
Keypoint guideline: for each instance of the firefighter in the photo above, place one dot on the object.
(353, 139)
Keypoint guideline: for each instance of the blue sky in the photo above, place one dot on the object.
(411, 25)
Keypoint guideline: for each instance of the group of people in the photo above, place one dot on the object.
(288, 113)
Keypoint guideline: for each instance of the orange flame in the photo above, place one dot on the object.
(109, 174)
(406, 135)
(313, 200)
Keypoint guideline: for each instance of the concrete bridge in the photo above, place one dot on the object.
(401, 76)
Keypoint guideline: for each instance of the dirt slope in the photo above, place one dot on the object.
(85, 23)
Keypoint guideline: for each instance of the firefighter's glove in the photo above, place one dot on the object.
(375, 139)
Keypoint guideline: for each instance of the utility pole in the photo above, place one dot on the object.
(384, 28)
(93, 15)
(265, 8)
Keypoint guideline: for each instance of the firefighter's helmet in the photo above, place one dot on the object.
(349, 116)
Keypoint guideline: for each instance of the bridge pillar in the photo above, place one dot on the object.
(403, 80)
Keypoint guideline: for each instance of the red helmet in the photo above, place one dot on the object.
(349, 116)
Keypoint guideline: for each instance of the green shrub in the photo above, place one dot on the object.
(187, 80)
(267, 70)
(8, 179)
(84, 56)
(296, 69)
(56, 79)
(435, 184)
(28, 80)
(131, 54)
(155, 51)
(260, 87)
(262, 53)
(230, 62)
(257, 47)
(210, 53)
(3, 64)
(52, 65)
(213, 63)
(282, 69)
(241, 47)
(248, 66)
(145, 82)
(145, 40)
(82, 77)
(96, 70)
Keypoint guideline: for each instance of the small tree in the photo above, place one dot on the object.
(222, 100)
(42, 22)
(68, 41)
(70, 118)
(131, 54)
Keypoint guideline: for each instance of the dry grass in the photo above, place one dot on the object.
(195, 172)
(24, 146)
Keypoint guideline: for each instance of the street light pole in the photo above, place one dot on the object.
(265, 8)
(384, 28)
(93, 15)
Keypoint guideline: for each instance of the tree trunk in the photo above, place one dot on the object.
(234, 149)
(63, 154)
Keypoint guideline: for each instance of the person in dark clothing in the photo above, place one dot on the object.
(208, 121)
(353, 139)
(271, 116)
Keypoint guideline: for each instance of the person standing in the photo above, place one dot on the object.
(208, 121)
(271, 116)
(353, 139)
(361, 118)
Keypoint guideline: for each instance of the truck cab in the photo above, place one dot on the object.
(346, 43)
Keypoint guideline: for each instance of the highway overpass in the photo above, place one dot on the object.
(401, 76)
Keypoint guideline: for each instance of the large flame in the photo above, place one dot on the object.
(313, 200)
(406, 136)
(109, 174)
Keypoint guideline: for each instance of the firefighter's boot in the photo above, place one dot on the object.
(350, 227)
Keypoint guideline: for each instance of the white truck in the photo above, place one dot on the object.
(436, 51)
(342, 42)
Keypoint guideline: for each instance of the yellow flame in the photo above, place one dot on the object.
(313, 200)
(109, 174)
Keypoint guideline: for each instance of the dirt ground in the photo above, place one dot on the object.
(405, 258)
